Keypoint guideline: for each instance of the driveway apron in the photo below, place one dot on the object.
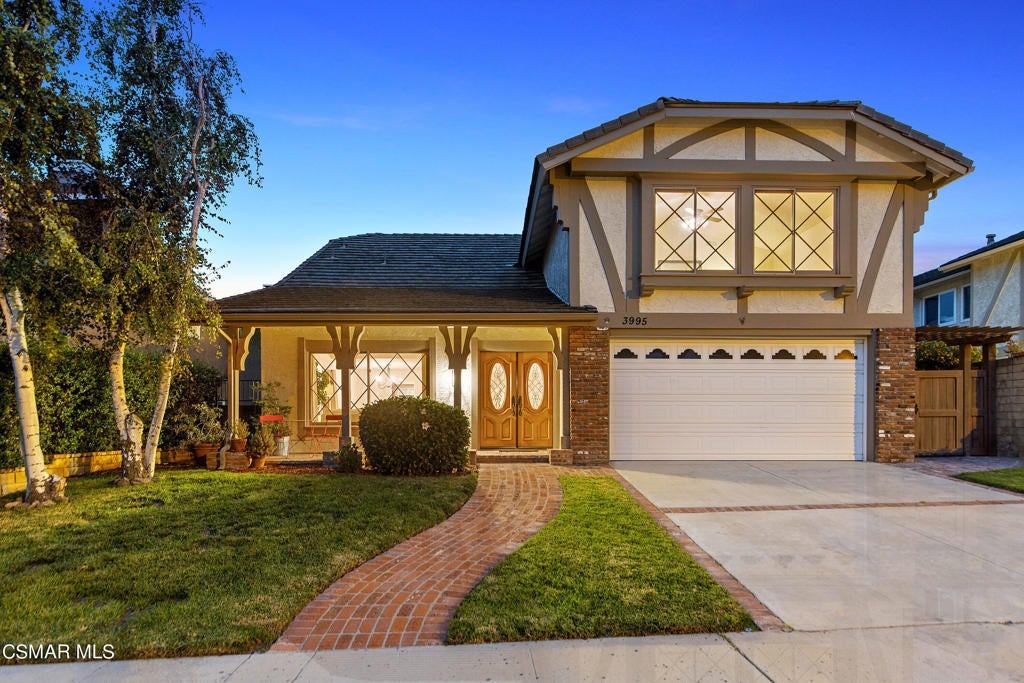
(850, 545)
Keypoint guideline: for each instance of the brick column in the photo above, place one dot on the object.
(895, 385)
(588, 394)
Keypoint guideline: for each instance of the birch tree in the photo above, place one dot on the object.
(176, 148)
(44, 126)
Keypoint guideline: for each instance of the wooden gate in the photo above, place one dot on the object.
(943, 424)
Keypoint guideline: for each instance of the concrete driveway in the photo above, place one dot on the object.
(850, 545)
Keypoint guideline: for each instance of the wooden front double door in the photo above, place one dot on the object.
(515, 400)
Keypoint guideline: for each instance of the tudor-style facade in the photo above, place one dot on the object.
(719, 280)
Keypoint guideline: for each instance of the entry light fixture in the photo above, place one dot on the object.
(603, 325)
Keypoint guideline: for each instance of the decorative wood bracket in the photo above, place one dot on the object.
(345, 345)
(238, 339)
(743, 292)
(457, 349)
(561, 348)
(843, 292)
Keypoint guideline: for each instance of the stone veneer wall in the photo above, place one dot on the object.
(588, 395)
(1010, 406)
(895, 387)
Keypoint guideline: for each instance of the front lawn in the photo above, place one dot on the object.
(198, 562)
(1011, 479)
(603, 567)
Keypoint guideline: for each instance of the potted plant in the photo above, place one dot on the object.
(202, 429)
(261, 444)
(280, 432)
(270, 403)
(239, 434)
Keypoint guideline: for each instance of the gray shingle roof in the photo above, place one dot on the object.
(935, 274)
(663, 102)
(1016, 237)
(407, 273)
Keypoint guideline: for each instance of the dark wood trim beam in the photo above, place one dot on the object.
(755, 281)
(857, 169)
(750, 126)
(273, 319)
(881, 244)
(604, 250)
(801, 323)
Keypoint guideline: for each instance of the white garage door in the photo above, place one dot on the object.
(737, 400)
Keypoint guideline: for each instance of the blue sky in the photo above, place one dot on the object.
(426, 117)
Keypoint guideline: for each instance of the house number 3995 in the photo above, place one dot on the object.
(634, 321)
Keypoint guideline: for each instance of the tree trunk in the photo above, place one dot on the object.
(162, 394)
(129, 426)
(36, 477)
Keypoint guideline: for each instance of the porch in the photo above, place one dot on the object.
(509, 376)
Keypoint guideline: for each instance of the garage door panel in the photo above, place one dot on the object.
(673, 409)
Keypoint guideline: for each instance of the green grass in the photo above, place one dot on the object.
(198, 562)
(1011, 479)
(603, 567)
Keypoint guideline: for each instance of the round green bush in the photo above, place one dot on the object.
(414, 436)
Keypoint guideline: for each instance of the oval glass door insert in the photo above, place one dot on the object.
(535, 386)
(499, 386)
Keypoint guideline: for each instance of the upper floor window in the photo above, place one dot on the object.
(744, 230)
(940, 309)
(794, 231)
(695, 230)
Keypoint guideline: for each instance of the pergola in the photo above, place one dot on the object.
(966, 338)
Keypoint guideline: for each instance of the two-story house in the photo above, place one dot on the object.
(694, 280)
(982, 287)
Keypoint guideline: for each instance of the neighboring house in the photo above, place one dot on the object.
(694, 280)
(982, 287)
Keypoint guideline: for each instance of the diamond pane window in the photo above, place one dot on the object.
(794, 231)
(375, 377)
(499, 386)
(695, 230)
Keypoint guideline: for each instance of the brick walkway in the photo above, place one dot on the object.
(408, 594)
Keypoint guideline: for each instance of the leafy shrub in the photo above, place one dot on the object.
(414, 436)
(346, 459)
(937, 355)
(201, 423)
(73, 398)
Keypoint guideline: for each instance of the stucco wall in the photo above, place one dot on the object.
(988, 275)
(793, 301)
(689, 301)
(594, 288)
(772, 146)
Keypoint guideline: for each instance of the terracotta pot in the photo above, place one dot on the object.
(201, 450)
(259, 462)
(238, 445)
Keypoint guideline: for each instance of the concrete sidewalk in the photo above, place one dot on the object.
(935, 653)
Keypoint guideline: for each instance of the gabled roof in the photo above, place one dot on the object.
(532, 244)
(855, 106)
(407, 273)
(963, 261)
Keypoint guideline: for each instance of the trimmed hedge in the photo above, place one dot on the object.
(414, 436)
(73, 398)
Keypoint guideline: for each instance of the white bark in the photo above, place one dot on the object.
(162, 394)
(25, 396)
(129, 426)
